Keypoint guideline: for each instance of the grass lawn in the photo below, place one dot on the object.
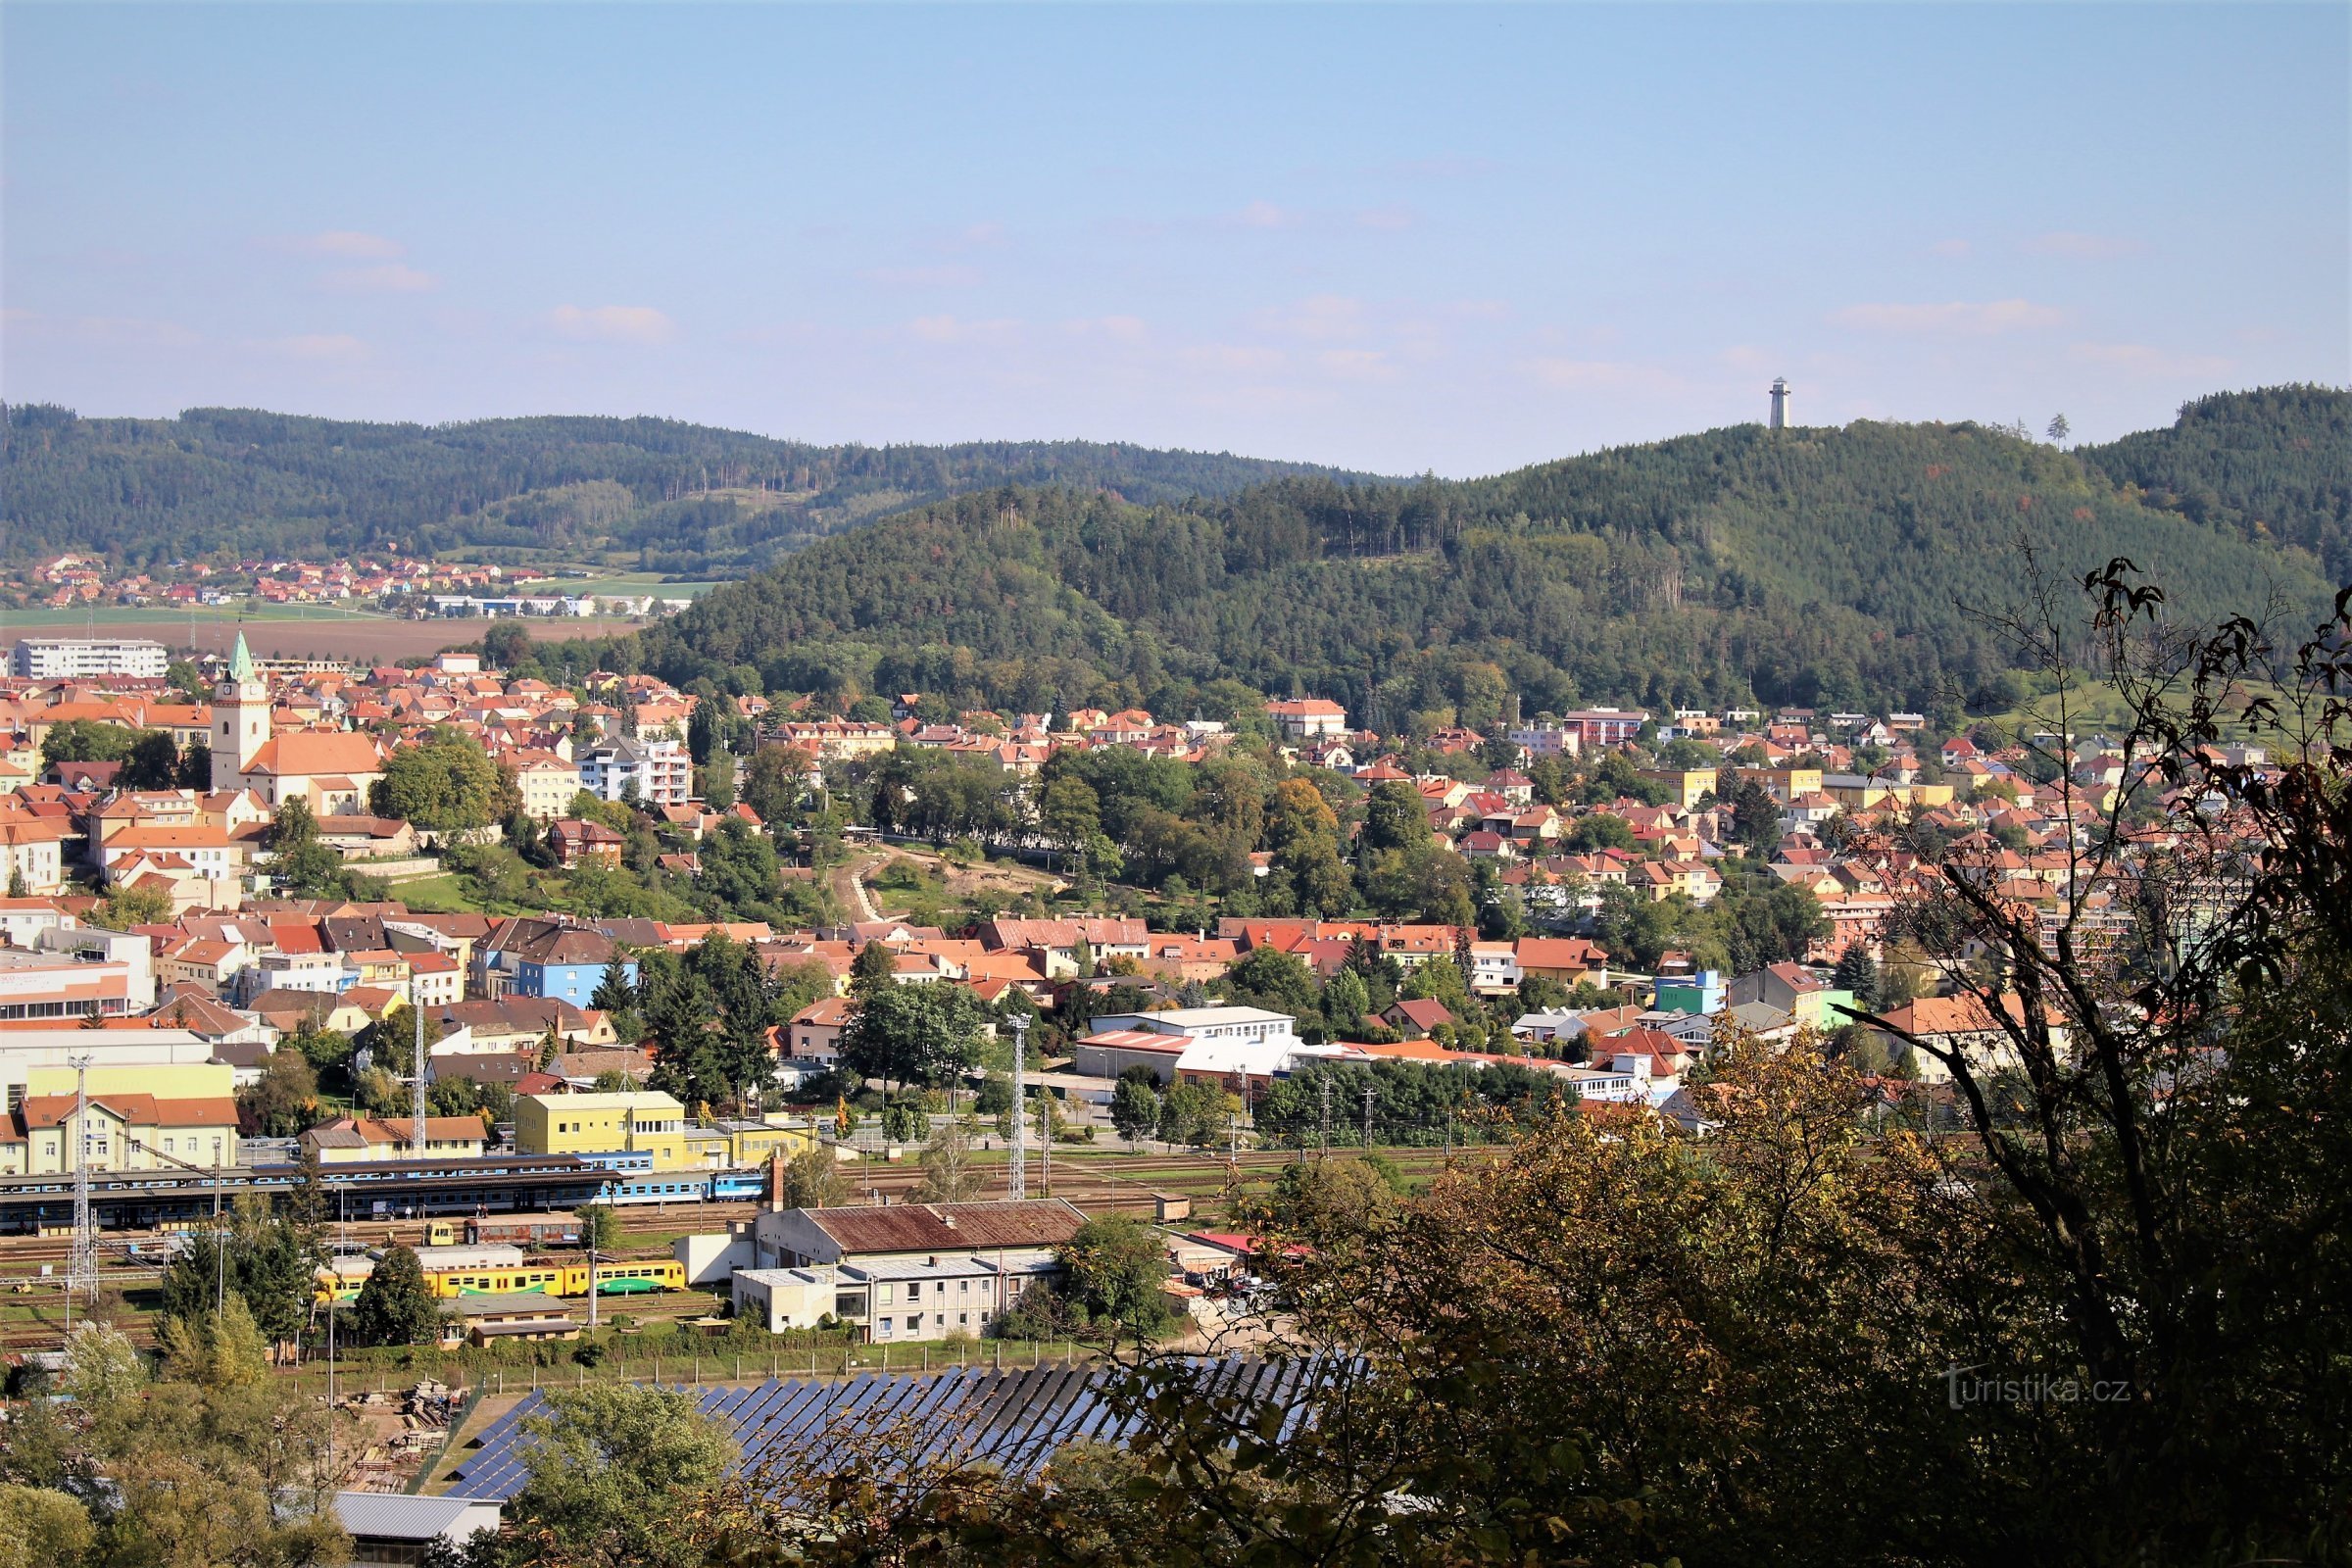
(2096, 705)
(435, 894)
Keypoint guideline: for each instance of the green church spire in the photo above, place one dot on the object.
(240, 662)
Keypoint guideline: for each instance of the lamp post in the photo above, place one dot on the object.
(1016, 1185)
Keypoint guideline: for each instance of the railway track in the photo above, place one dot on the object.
(1113, 1182)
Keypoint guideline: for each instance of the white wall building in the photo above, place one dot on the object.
(72, 658)
(661, 770)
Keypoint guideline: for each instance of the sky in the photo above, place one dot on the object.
(1393, 238)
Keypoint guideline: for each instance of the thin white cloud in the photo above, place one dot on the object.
(1442, 168)
(1249, 359)
(1388, 219)
(1264, 215)
(1600, 376)
(1117, 328)
(2080, 247)
(342, 244)
(107, 331)
(2155, 364)
(1358, 365)
(950, 276)
(956, 329)
(390, 277)
(1963, 317)
(1950, 248)
(613, 323)
(317, 346)
(1320, 318)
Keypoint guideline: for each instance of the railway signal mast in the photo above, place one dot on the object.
(417, 1078)
(81, 1274)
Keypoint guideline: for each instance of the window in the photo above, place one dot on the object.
(886, 1325)
(914, 1289)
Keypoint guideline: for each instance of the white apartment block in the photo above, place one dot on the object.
(72, 658)
(661, 770)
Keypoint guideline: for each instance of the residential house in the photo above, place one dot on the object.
(534, 957)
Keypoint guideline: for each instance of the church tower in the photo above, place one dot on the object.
(240, 720)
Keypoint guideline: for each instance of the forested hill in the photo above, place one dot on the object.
(2274, 465)
(1828, 566)
(653, 494)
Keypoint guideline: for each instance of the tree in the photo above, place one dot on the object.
(1272, 978)
(948, 1176)
(1134, 1108)
(1857, 971)
(152, 762)
(1191, 1112)
(600, 1227)
(102, 1367)
(1599, 830)
(872, 970)
(284, 1099)
(87, 740)
(812, 1179)
(1755, 818)
(1069, 813)
(446, 784)
(1117, 1269)
(262, 1257)
(2059, 430)
(305, 868)
(128, 906)
(718, 780)
(1395, 818)
(918, 1034)
(394, 1305)
(1345, 1001)
(1439, 980)
(614, 1474)
(1337, 1201)
(42, 1528)
(772, 782)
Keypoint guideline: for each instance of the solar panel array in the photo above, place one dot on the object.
(1012, 1420)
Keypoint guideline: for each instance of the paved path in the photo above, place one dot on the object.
(849, 886)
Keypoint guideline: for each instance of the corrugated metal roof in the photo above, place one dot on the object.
(948, 1227)
(387, 1516)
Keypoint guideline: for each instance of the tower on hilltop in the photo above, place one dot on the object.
(1780, 402)
(240, 720)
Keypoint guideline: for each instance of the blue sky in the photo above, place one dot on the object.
(1396, 238)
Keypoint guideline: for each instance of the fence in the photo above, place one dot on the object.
(680, 1363)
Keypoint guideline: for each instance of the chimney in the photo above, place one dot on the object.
(775, 1181)
(946, 1219)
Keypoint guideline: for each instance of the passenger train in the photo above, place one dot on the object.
(449, 1279)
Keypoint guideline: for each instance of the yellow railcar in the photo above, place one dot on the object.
(530, 1279)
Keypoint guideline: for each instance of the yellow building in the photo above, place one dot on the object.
(741, 1144)
(1688, 784)
(1871, 794)
(1782, 784)
(632, 1123)
(140, 1118)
